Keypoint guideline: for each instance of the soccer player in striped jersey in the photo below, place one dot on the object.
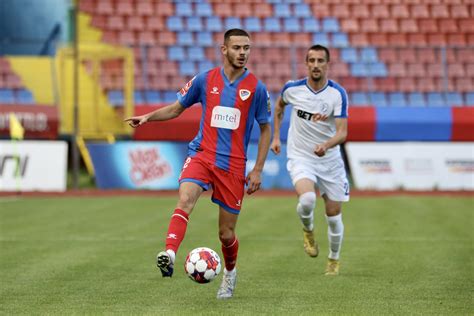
(318, 125)
(232, 98)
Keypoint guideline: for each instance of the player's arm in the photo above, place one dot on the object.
(254, 178)
(338, 138)
(162, 114)
(277, 119)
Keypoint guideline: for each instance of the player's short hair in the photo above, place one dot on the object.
(234, 32)
(319, 47)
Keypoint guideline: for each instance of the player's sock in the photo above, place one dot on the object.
(176, 231)
(305, 207)
(229, 252)
(335, 235)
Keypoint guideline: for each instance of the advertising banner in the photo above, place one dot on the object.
(39, 122)
(412, 165)
(138, 165)
(33, 166)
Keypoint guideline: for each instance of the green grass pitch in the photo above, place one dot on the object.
(402, 255)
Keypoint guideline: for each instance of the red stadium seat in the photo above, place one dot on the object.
(99, 21)
(385, 84)
(408, 26)
(127, 38)
(146, 37)
(416, 70)
(369, 25)
(157, 53)
(340, 10)
(168, 68)
(110, 37)
(426, 84)
(281, 38)
(466, 25)
(456, 70)
(436, 39)
(115, 22)
(435, 70)
(135, 23)
(124, 8)
(223, 9)
(406, 84)
(166, 38)
(399, 11)
(302, 39)
(105, 7)
(359, 39)
(339, 69)
(428, 25)
(360, 11)
(145, 8)
(13, 81)
(465, 55)
(397, 39)
(242, 10)
(417, 39)
(321, 10)
(263, 38)
(380, 11)
(87, 6)
(459, 11)
(262, 10)
(464, 84)
(155, 23)
(426, 55)
(397, 69)
(470, 39)
(164, 9)
(439, 11)
(350, 25)
(448, 25)
(470, 70)
(388, 55)
(389, 26)
(407, 55)
(420, 11)
(378, 39)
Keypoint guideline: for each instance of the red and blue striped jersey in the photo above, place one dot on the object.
(228, 114)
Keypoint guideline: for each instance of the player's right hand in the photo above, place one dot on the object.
(275, 146)
(136, 121)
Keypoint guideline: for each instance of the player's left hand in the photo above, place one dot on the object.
(253, 180)
(320, 150)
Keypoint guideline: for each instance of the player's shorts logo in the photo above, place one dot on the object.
(224, 117)
(244, 94)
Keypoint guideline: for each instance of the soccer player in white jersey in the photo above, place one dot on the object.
(318, 125)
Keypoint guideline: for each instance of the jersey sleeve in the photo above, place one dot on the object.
(264, 109)
(284, 90)
(191, 93)
(341, 109)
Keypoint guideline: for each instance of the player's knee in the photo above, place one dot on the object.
(307, 202)
(185, 202)
(226, 236)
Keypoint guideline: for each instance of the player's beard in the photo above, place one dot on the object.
(235, 63)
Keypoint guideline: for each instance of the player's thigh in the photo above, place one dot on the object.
(188, 194)
(196, 171)
(228, 190)
(332, 181)
(300, 170)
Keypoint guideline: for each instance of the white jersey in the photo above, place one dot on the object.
(304, 134)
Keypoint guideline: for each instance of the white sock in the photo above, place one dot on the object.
(305, 207)
(335, 235)
(172, 255)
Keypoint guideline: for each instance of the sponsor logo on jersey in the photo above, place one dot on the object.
(244, 94)
(215, 90)
(224, 117)
(304, 115)
(186, 88)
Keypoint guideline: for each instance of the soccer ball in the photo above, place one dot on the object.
(202, 265)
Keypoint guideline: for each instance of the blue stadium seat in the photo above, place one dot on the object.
(349, 55)
(194, 24)
(213, 24)
(24, 96)
(311, 25)
(359, 70)
(204, 39)
(377, 69)
(196, 53)
(368, 55)
(397, 99)
(359, 98)
(282, 10)
(253, 24)
(176, 53)
(203, 9)
(138, 97)
(271, 24)
(321, 39)
(169, 96)
(153, 96)
(175, 23)
(233, 22)
(331, 25)
(7, 96)
(454, 99)
(416, 99)
(291, 25)
(185, 38)
(115, 97)
(378, 99)
(302, 10)
(340, 40)
(205, 65)
(187, 68)
(470, 98)
(435, 99)
(184, 9)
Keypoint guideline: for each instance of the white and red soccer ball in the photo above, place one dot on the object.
(202, 265)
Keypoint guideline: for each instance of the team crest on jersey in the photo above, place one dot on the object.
(244, 94)
(186, 88)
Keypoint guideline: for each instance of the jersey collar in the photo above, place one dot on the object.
(318, 91)
(237, 81)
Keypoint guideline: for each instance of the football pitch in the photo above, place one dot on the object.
(402, 255)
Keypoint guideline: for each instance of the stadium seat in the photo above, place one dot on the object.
(378, 99)
(460, 11)
(262, 10)
(359, 70)
(379, 39)
(340, 11)
(155, 23)
(419, 11)
(115, 22)
(253, 24)
(203, 9)
(321, 39)
(416, 99)
(399, 11)
(369, 25)
(184, 9)
(340, 40)
(302, 10)
(320, 10)
(213, 24)
(271, 24)
(330, 25)
(144, 8)
(157, 53)
(204, 39)
(349, 55)
(127, 38)
(105, 7)
(146, 38)
(360, 11)
(115, 97)
(435, 99)
(425, 84)
(282, 10)
(194, 24)
(166, 38)
(164, 8)
(368, 55)
(388, 84)
(138, 97)
(185, 38)
(310, 25)
(416, 70)
(470, 98)
(7, 96)
(388, 55)
(205, 65)
(389, 26)
(196, 53)
(152, 96)
(359, 98)
(377, 69)
(426, 55)
(124, 8)
(439, 11)
(350, 25)
(187, 68)
(176, 53)
(232, 22)
(456, 70)
(359, 39)
(407, 55)
(407, 84)
(135, 23)
(175, 24)
(454, 99)
(380, 11)
(291, 25)
(339, 69)
(223, 9)
(397, 99)
(408, 26)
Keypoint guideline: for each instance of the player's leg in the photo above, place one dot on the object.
(305, 208)
(334, 189)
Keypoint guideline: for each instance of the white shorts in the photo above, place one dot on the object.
(329, 176)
